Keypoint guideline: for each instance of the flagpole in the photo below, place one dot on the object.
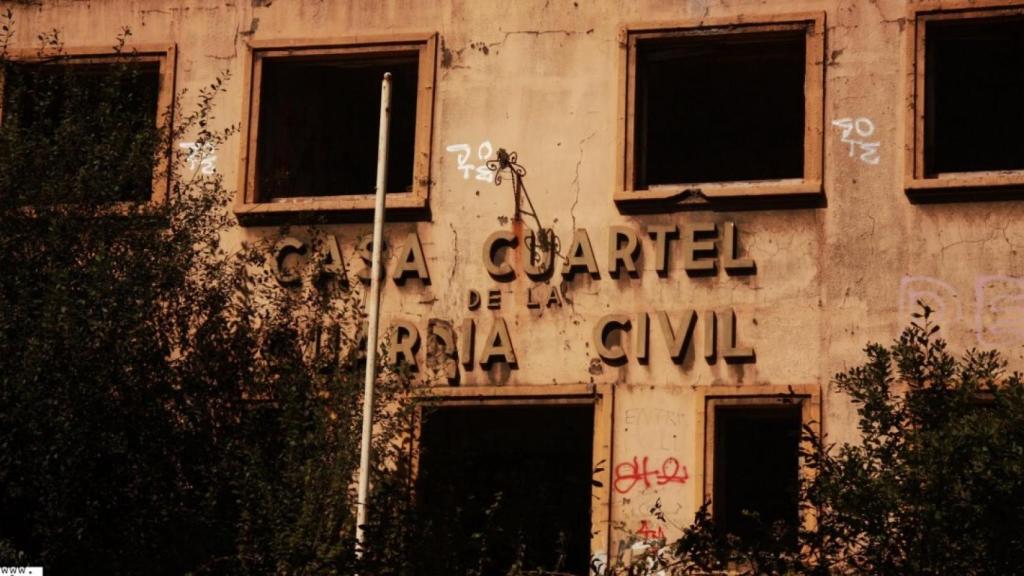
(362, 498)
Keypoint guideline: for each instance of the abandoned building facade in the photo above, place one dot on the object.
(628, 243)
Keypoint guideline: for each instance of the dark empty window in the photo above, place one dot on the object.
(974, 95)
(719, 108)
(756, 468)
(79, 131)
(515, 480)
(319, 124)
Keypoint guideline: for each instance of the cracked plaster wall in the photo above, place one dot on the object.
(541, 78)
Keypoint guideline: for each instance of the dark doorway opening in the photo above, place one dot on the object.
(974, 95)
(756, 469)
(506, 484)
(319, 124)
(720, 108)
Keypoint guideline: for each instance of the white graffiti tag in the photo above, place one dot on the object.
(200, 157)
(483, 153)
(864, 128)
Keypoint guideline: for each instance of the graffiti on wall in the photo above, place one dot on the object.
(464, 154)
(998, 318)
(999, 312)
(855, 131)
(644, 548)
(663, 425)
(646, 473)
(658, 417)
(648, 532)
(599, 563)
(935, 293)
(651, 483)
(202, 157)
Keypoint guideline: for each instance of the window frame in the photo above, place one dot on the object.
(666, 197)
(761, 396)
(249, 208)
(165, 55)
(915, 180)
(600, 396)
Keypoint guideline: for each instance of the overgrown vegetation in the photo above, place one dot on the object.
(935, 485)
(165, 406)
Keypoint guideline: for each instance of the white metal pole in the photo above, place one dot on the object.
(362, 498)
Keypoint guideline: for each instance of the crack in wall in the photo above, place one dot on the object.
(535, 33)
(576, 179)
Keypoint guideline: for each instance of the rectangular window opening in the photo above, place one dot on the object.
(96, 117)
(974, 92)
(722, 107)
(516, 478)
(756, 469)
(319, 124)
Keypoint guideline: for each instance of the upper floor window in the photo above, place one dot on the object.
(85, 127)
(966, 93)
(723, 111)
(313, 126)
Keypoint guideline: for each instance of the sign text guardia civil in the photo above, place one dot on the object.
(544, 273)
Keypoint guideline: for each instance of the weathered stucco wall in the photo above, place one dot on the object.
(541, 78)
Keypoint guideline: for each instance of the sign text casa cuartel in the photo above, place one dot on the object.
(706, 249)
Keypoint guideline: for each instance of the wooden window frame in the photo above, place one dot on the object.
(249, 208)
(916, 182)
(165, 55)
(763, 396)
(666, 197)
(600, 396)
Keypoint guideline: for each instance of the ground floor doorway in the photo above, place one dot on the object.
(501, 484)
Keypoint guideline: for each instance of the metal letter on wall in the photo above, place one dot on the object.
(285, 247)
(730, 262)
(662, 236)
(465, 343)
(405, 341)
(501, 271)
(333, 263)
(581, 256)
(730, 351)
(611, 353)
(677, 340)
(693, 263)
(498, 347)
(442, 356)
(365, 251)
(411, 262)
(708, 319)
(623, 255)
(643, 331)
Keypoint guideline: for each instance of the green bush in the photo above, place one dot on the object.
(165, 406)
(935, 485)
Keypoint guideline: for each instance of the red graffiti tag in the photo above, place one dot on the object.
(628, 474)
(648, 533)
